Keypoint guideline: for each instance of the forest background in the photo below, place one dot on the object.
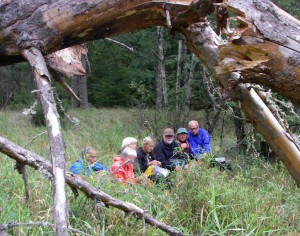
(125, 78)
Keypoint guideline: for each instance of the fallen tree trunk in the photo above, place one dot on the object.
(262, 55)
(37, 162)
(204, 41)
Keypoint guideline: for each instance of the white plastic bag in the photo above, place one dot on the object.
(161, 171)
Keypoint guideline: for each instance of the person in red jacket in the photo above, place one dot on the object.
(122, 168)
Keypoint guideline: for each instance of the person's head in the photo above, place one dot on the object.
(129, 154)
(129, 142)
(182, 134)
(147, 144)
(168, 135)
(89, 154)
(193, 127)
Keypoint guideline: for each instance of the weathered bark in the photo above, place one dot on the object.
(39, 163)
(51, 26)
(255, 44)
(42, 79)
(203, 41)
(264, 49)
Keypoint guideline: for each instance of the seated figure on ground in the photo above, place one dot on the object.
(165, 149)
(122, 168)
(183, 156)
(199, 140)
(128, 142)
(87, 163)
(146, 158)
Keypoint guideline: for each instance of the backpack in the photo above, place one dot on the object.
(221, 163)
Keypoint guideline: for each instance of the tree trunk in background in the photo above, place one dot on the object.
(213, 109)
(79, 86)
(161, 80)
(188, 74)
(239, 129)
(177, 86)
(75, 88)
(6, 87)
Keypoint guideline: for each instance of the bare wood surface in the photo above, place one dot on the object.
(37, 162)
(45, 93)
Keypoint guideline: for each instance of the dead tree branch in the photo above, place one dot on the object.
(42, 79)
(10, 225)
(37, 162)
(119, 43)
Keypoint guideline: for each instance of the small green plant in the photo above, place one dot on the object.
(36, 115)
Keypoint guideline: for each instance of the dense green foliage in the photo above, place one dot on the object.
(257, 198)
(290, 6)
(119, 76)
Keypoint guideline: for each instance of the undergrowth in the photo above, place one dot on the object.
(255, 198)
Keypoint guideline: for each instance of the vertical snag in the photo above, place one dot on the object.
(42, 79)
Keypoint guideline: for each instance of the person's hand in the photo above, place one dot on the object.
(100, 172)
(155, 162)
(178, 168)
(186, 168)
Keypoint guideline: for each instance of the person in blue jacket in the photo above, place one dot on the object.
(87, 163)
(198, 138)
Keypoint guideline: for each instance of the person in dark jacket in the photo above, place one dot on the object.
(145, 155)
(165, 149)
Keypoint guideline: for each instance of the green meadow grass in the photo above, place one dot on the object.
(256, 198)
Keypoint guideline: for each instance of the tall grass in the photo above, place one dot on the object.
(256, 198)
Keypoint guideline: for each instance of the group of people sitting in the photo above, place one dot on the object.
(172, 152)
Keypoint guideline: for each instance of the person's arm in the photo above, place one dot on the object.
(118, 172)
(160, 155)
(77, 168)
(98, 167)
(142, 162)
(206, 140)
(154, 161)
(192, 145)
